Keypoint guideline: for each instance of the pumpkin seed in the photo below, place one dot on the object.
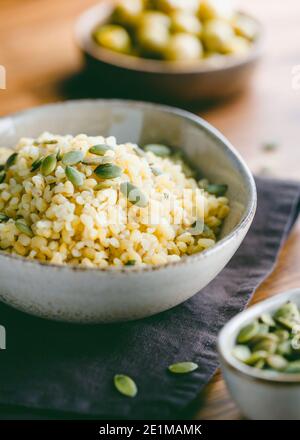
(72, 157)
(58, 155)
(3, 218)
(288, 311)
(260, 364)
(158, 149)
(100, 149)
(11, 160)
(277, 362)
(92, 161)
(130, 263)
(134, 194)
(108, 171)
(2, 176)
(283, 335)
(248, 332)
(256, 357)
(23, 227)
(125, 385)
(241, 352)
(217, 190)
(293, 367)
(2, 167)
(183, 367)
(285, 322)
(36, 164)
(197, 228)
(74, 176)
(48, 164)
(267, 319)
(50, 142)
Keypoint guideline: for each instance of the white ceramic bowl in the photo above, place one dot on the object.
(261, 395)
(93, 295)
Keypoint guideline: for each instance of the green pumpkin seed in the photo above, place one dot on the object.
(72, 157)
(217, 190)
(23, 227)
(58, 155)
(50, 142)
(293, 367)
(134, 194)
(285, 322)
(183, 367)
(100, 149)
(3, 218)
(125, 385)
(36, 164)
(241, 352)
(2, 176)
(267, 319)
(130, 263)
(158, 149)
(48, 164)
(277, 362)
(248, 332)
(108, 171)
(92, 161)
(11, 160)
(74, 176)
(256, 357)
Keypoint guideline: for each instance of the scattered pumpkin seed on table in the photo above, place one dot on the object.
(183, 367)
(272, 341)
(125, 385)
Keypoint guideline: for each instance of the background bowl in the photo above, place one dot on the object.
(261, 395)
(94, 295)
(176, 82)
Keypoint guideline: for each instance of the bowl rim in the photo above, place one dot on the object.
(229, 332)
(188, 117)
(82, 34)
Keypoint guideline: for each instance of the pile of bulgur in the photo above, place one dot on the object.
(76, 214)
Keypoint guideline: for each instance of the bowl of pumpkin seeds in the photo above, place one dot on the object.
(260, 358)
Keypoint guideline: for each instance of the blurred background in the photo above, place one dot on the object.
(43, 64)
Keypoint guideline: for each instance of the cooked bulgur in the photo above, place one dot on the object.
(88, 201)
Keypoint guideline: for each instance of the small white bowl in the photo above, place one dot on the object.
(80, 294)
(261, 395)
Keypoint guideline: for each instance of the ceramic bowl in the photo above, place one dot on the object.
(260, 395)
(94, 295)
(177, 82)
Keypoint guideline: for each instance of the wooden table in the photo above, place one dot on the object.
(38, 51)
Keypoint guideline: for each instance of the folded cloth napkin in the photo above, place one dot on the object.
(69, 368)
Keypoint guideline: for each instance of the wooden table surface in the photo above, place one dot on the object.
(38, 51)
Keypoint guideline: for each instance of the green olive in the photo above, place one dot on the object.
(153, 40)
(113, 37)
(184, 22)
(217, 34)
(211, 9)
(169, 6)
(127, 12)
(245, 27)
(183, 47)
(237, 46)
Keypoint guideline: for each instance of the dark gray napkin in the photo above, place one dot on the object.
(69, 368)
